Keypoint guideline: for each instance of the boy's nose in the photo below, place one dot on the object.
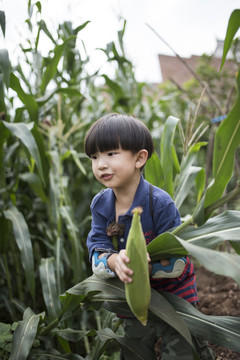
(102, 164)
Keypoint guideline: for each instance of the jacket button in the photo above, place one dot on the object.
(122, 240)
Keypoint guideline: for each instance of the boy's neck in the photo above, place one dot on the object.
(125, 197)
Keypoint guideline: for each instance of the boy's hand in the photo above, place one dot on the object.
(118, 264)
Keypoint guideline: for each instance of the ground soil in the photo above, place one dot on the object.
(218, 295)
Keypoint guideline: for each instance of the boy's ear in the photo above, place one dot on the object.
(141, 159)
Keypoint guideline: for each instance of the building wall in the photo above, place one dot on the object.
(172, 68)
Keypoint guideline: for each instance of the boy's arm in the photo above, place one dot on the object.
(97, 237)
(106, 265)
(118, 264)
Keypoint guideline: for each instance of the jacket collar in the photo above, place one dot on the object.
(106, 201)
(140, 197)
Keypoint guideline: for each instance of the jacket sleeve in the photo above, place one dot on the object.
(166, 215)
(97, 237)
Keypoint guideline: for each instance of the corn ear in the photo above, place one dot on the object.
(138, 292)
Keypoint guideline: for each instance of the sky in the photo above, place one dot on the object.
(188, 26)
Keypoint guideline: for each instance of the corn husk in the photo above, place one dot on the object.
(138, 292)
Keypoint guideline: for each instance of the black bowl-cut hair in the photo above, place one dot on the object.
(114, 131)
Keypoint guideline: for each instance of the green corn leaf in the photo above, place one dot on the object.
(77, 261)
(191, 157)
(43, 27)
(55, 355)
(35, 183)
(232, 28)
(165, 245)
(71, 301)
(176, 166)
(224, 227)
(48, 281)
(28, 100)
(113, 292)
(198, 241)
(72, 334)
(3, 138)
(64, 344)
(97, 289)
(23, 240)
(3, 21)
(77, 161)
(133, 348)
(167, 158)
(4, 234)
(70, 91)
(45, 163)
(121, 36)
(200, 184)
(23, 132)
(58, 258)
(153, 171)
(220, 330)
(5, 66)
(236, 246)
(186, 182)
(24, 336)
(80, 27)
(51, 68)
(189, 176)
(114, 86)
(221, 263)
(2, 98)
(54, 196)
(227, 139)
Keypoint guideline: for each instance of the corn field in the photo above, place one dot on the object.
(52, 307)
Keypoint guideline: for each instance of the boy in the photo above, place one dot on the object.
(119, 146)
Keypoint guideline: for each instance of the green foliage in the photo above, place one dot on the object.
(47, 103)
(233, 26)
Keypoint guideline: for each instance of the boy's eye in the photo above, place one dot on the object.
(111, 153)
(93, 157)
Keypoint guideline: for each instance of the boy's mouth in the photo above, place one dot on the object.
(106, 176)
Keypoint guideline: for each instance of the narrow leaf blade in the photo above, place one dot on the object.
(153, 171)
(24, 336)
(24, 244)
(232, 28)
(48, 281)
(167, 159)
(23, 133)
(227, 139)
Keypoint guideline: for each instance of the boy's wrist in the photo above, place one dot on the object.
(100, 266)
(111, 261)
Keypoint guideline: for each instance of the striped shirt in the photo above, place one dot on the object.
(184, 286)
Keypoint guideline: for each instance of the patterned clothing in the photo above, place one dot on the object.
(164, 217)
(184, 286)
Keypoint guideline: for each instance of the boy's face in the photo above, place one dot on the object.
(116, 168)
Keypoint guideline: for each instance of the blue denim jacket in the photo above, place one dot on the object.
(164, 216)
